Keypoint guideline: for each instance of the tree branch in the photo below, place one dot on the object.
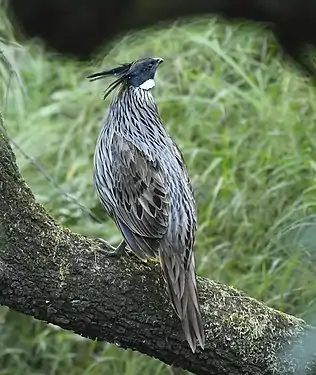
(59, 276)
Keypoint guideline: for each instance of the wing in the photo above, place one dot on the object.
(187, 214)
(179, 158)
(142, 208)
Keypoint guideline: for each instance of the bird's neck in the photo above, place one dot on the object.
(135, 101)
(135, 112)
(136, 97)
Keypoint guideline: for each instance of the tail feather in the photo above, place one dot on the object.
(182, 289)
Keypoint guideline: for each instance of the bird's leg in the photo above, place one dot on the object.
(111, 251)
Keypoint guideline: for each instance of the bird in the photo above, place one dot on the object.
(143, 184)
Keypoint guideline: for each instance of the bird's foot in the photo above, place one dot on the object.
(111, 251)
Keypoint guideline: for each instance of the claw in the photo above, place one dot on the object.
(110, 251)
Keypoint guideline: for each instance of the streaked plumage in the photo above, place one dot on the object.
(143, 184)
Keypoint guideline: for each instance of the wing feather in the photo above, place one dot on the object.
(141, 195)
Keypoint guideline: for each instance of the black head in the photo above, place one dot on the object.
(135, 74)
(142, 71)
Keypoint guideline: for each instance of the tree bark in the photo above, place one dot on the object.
(58, 276)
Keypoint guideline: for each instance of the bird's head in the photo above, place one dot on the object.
(139, 74)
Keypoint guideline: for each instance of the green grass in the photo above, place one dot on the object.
(246, 126)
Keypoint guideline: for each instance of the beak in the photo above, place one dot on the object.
(159, 60)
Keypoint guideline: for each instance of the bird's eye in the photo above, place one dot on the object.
(150, 66)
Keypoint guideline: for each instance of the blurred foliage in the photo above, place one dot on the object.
(246, 126)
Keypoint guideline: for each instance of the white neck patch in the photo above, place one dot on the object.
(147, 85)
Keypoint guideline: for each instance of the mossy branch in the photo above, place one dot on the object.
(59, 276)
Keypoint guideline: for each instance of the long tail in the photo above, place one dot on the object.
(182, 289)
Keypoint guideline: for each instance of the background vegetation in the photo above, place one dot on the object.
(246, 126)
